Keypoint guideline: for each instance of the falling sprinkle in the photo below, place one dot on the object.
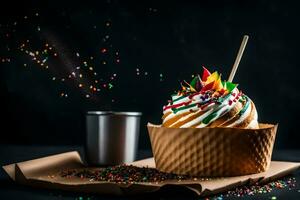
(161, 77)
(103, 50)
(152, 9)
(44, 60)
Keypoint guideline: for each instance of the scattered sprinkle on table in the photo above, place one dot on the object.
(125, 174)
(256, 189)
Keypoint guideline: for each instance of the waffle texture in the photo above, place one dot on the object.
(212, 152)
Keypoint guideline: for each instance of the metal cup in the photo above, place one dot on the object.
(112, 137)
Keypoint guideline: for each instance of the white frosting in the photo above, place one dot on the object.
(191, 108)
(219, 109)
(195, 100)
(225, 108)
(197, 119)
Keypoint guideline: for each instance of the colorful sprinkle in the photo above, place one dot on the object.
(104, 50)
(124, 174)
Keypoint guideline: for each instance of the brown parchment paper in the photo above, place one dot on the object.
(44, 173)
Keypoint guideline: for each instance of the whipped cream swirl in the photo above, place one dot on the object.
(203, 109)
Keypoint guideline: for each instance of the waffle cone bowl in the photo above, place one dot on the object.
(212, 152)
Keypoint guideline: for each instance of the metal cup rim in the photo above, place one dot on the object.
(113, 113)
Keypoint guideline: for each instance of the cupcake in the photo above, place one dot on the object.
(210, 128)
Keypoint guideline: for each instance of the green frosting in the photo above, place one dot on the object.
(207, 119)
(179, 98)
(246, 105)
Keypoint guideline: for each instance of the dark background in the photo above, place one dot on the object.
(167, 40)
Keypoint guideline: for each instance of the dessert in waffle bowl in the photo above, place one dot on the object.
(210, 128)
